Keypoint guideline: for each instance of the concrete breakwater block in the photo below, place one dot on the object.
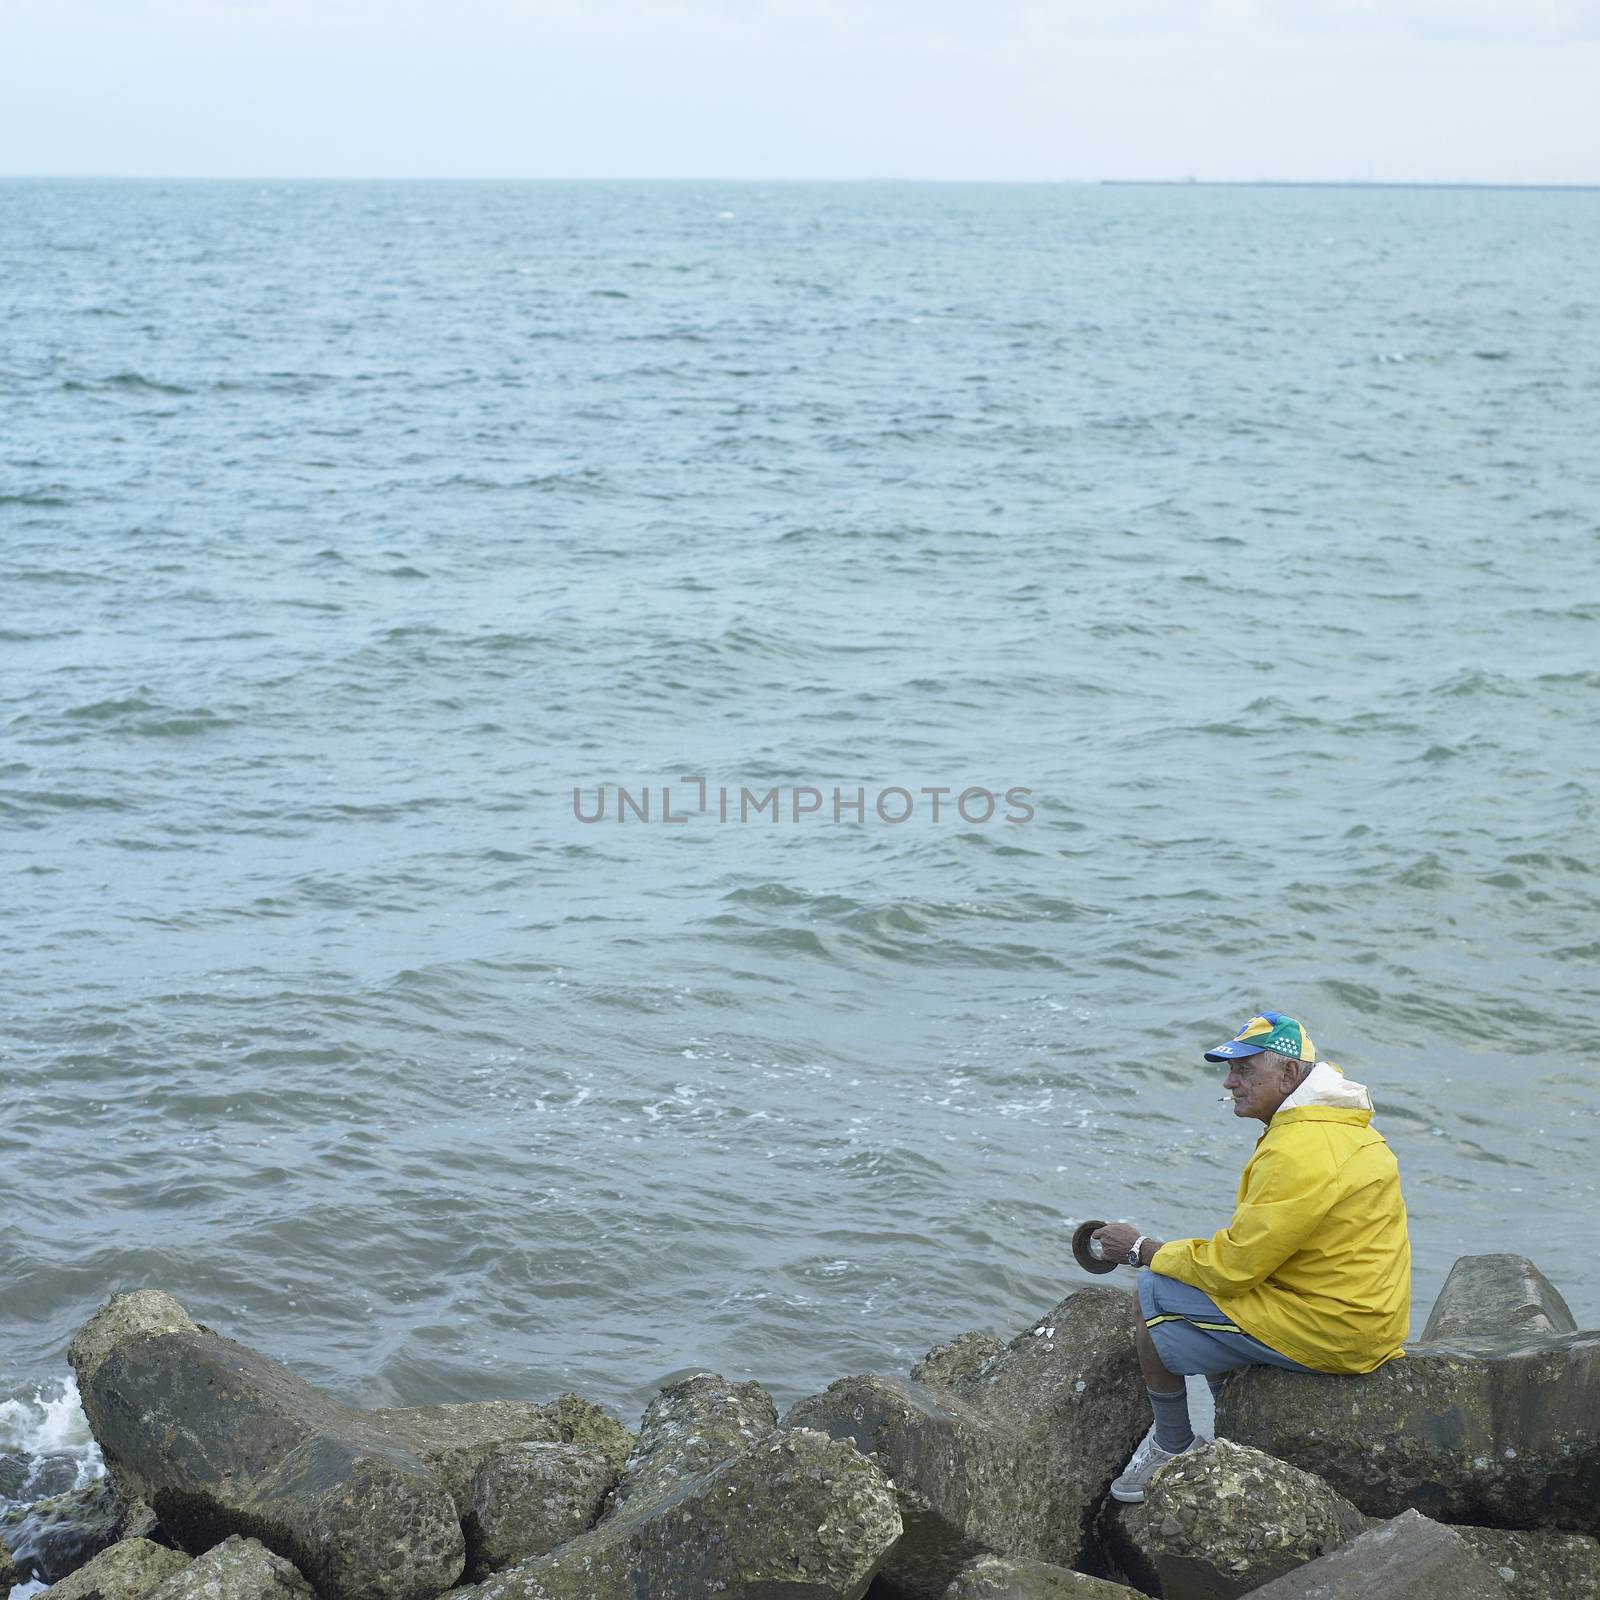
(795, 1514)
(139, 1569)
(689, 1427)
(129, 1570)
(236, 1569)
(958, 1358)
(1539, 1563)
(1223, 1521)
(1509, 1437)
(218, 1439)
(526, 1499)
(455, 1440)
(715, 1499)
(1497, 1297)
(1410, 1557)
(58, 1534)
(1011, 1454)
(998, 1578)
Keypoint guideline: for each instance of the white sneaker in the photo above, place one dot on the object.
(1129, 1488)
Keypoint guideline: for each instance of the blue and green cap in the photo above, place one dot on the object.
(1270, 1031)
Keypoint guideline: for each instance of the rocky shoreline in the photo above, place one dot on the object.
(1470, 1469)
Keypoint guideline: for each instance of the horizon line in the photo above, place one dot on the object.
(1062, 183)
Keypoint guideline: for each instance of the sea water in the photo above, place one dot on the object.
(356, 540)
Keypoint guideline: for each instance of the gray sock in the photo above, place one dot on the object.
(1173, 1432)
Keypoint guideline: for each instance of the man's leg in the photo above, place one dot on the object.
(1169, 1400)
(1182, 1330)
(1172, 1433)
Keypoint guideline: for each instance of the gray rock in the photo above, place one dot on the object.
(1540, 1565)
(525, 1499)
(1409, 1558)
(236, 1569)
(55, 1536)
(8, 1572)
(130, 1570)
(798, 1516)
(997, 1578)
(969, 1482)
(1496, 1298)
(688, 1428)
(1223, 1521)
(28, 1478)
(1508, 1440)
(123, 1320)
(217, 1439)
(454, 1440)
(1013, 1458)
(140, 1522)
(946, 1364)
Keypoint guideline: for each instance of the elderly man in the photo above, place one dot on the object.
(1314, 1271)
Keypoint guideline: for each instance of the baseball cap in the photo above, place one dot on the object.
(1269, 1031)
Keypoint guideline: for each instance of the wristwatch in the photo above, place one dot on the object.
(1138, 1245)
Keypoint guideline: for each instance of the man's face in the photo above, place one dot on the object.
(1259, 1084)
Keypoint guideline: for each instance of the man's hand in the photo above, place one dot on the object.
(1116, 1240)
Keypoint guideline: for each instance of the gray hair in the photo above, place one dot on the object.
(1272, 1059)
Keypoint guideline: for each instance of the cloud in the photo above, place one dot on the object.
(1482, 90)
(1500, 21)
(1504, 21)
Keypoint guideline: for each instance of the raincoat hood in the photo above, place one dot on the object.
(1326, 1085)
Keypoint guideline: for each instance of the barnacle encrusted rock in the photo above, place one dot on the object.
(56, 1535)
(124, 1318)
(797, 1514)
(1410, 1558)
(236, 1569)
(999, 1578)
(1507, 1438)
(218, 1439)
(961, 1357)
(1013, 1457)
(129, 1570)
(1224, 1520)
(525, 1499)
(1540, 1564)
(455, 1440)
(688, 1428)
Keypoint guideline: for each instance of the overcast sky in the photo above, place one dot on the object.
(1498, 91)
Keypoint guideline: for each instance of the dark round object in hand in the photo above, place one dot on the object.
(1080, 1250)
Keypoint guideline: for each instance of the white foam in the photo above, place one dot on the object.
(52, 1423)
(46, 1423)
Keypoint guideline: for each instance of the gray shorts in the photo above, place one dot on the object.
(1191, 1335)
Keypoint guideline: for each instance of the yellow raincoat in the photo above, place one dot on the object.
(1316, 1262)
